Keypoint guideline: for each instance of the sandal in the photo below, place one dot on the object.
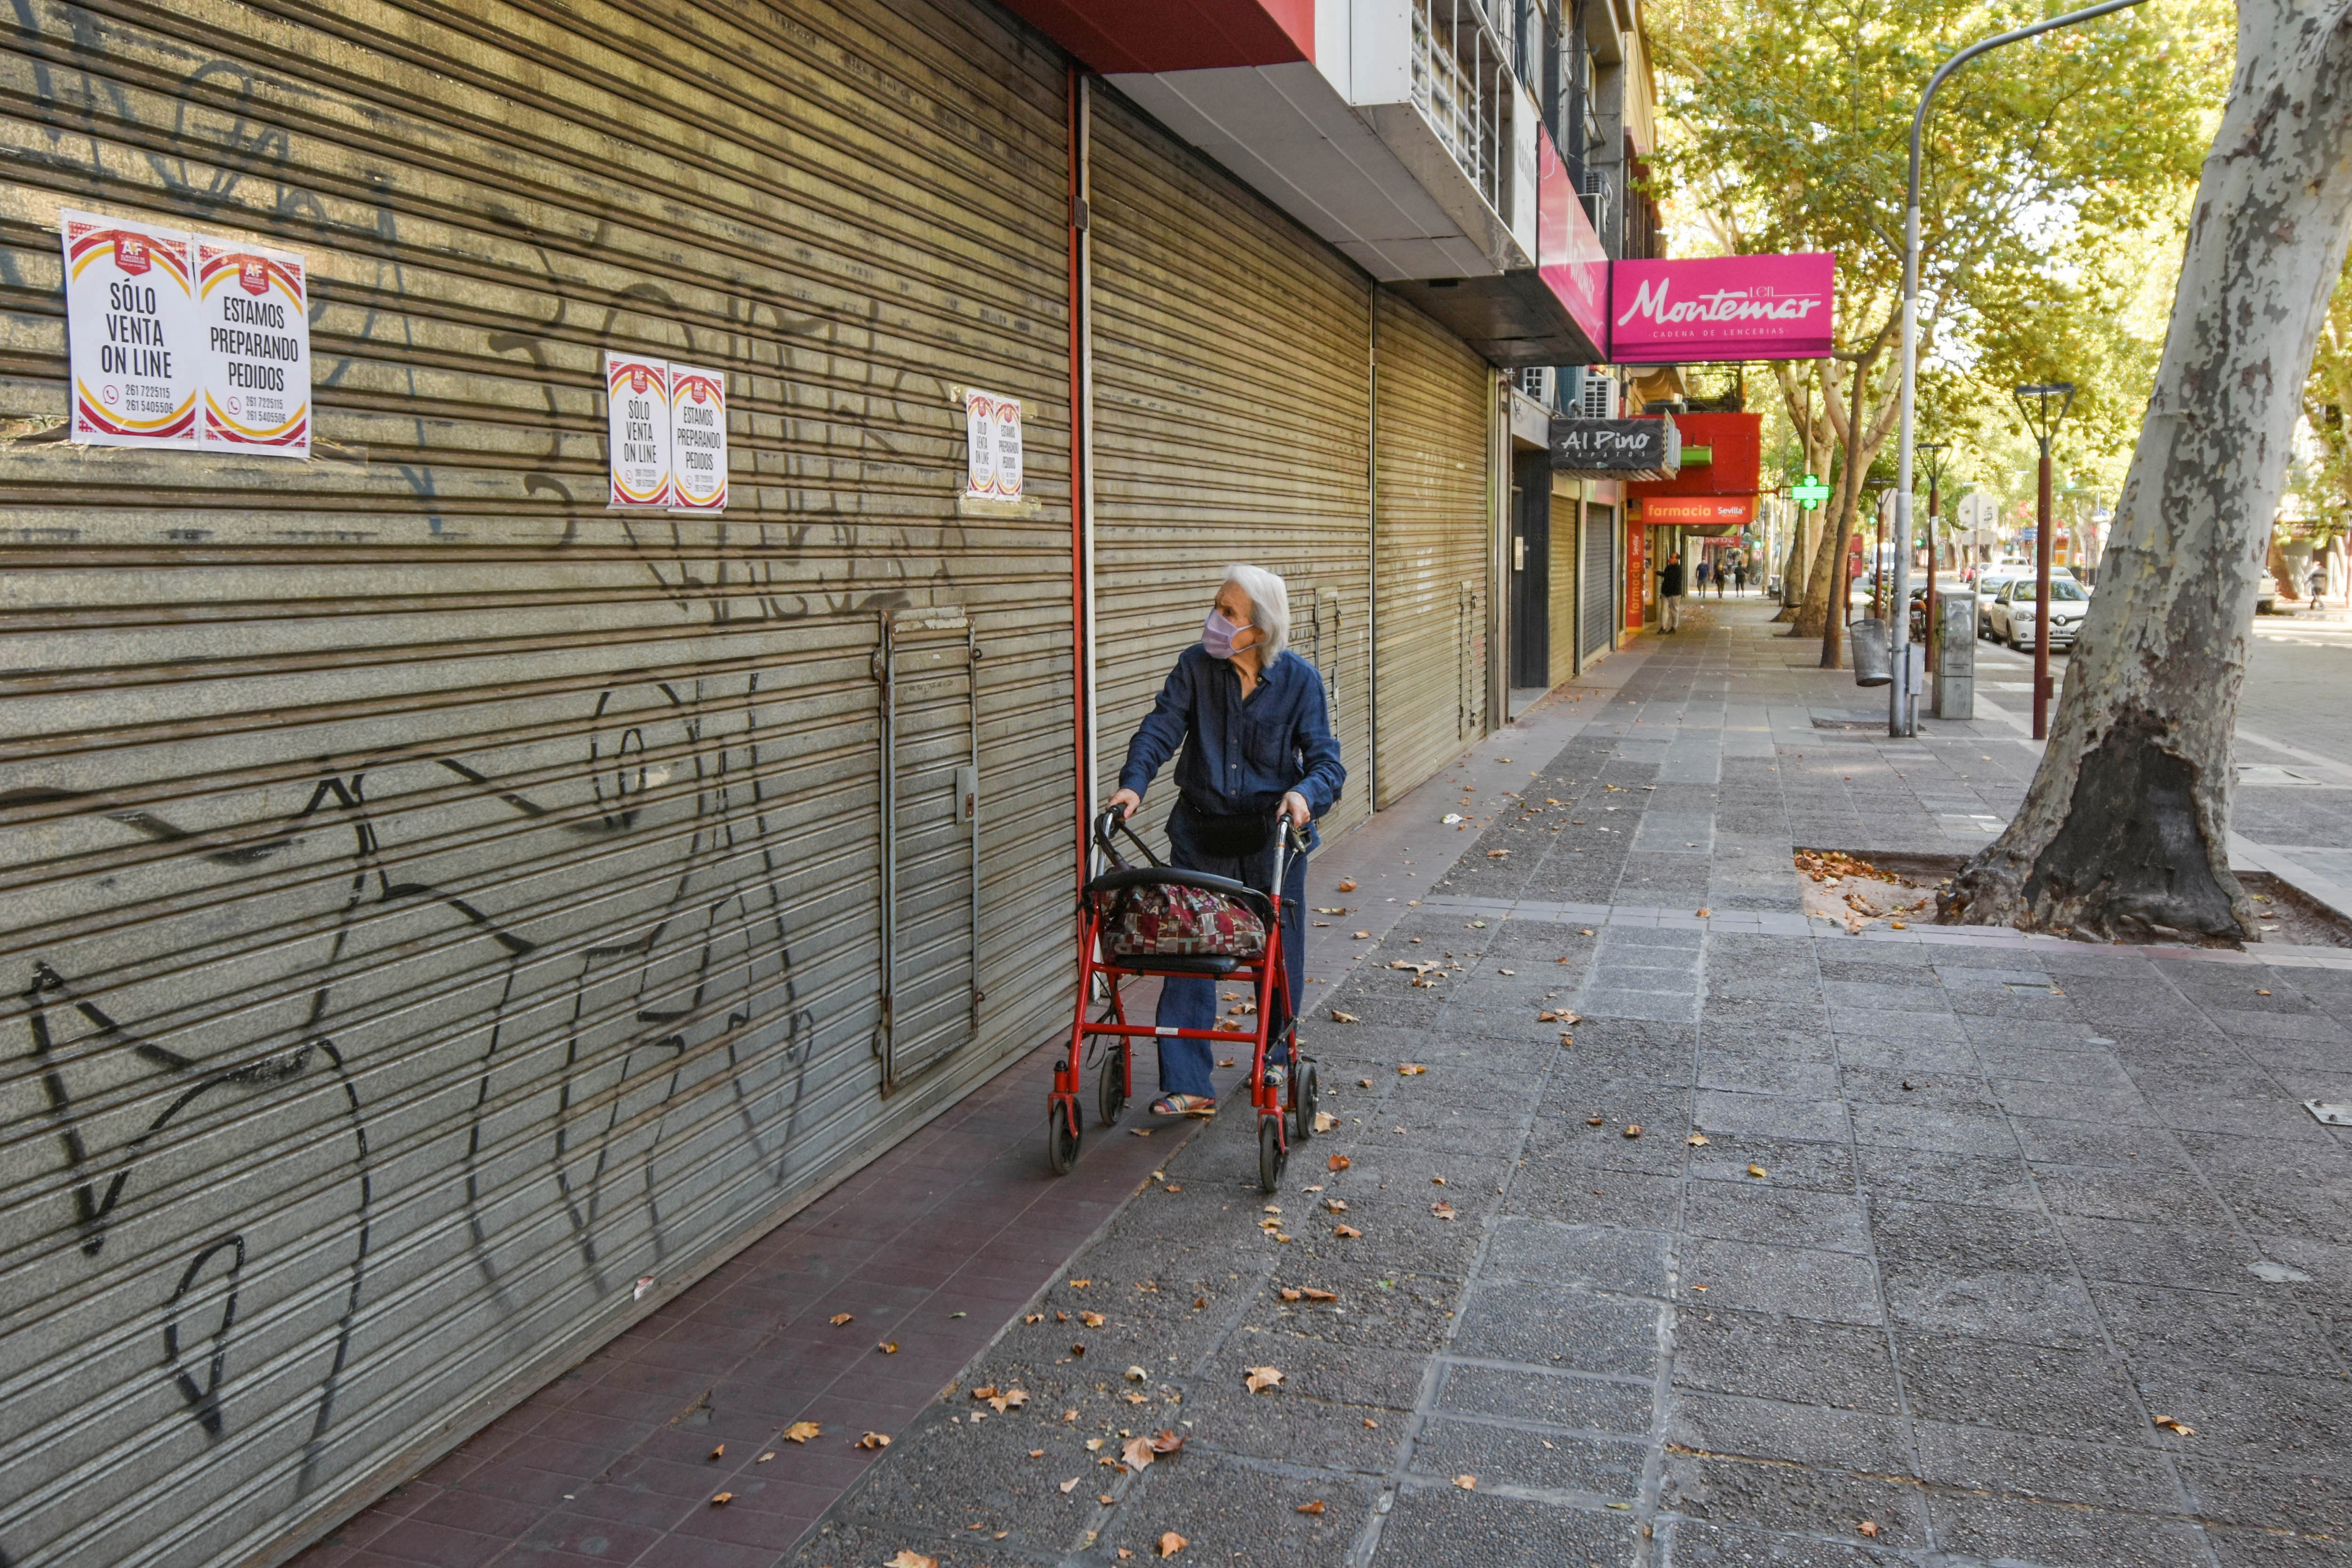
(1184, 1105)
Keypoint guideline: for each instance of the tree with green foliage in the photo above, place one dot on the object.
(1788, 126)
(2124, 830)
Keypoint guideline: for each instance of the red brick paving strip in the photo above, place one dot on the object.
(610, 1463)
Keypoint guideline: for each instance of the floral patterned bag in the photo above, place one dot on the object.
(1168, 920)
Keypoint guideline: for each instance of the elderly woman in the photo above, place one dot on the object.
(1255, 728)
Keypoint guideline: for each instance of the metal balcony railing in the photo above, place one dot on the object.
(1462, 82)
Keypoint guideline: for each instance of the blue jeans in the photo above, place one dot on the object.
(1189, 1002)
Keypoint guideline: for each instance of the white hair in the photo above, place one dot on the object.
(1270, 599)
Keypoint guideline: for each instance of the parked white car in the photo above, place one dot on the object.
(2013, 612)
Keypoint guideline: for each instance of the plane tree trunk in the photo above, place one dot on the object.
(2125, 831)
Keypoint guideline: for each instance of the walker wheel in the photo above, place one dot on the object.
(1270, 1153)
(1110, 1086)
(1304, 1092)
(1060, 1138)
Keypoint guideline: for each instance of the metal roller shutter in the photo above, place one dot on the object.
(445, 912)
(1566, 507)
(1231, 409)
(1432, 429)
(1599, 618)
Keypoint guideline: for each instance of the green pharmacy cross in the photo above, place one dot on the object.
(1811, 494)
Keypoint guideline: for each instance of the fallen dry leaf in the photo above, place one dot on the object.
(1167, 1442)
(1467, 1483)
(838, 1318)
(1592, 1121)
(802, 1431)
(1071, 1485)
(1325, 1121)
(1093, 1443)
(1363, 936)
(1442, 1211)
(1346, 885)
(1138, 1453)
(1337, 1162)
(1436, 1180)
(874, 1440)
(719, 1452)
(1171, 1544)
(1036, 1453)
(1703, 913)
(1288, 1294)
(1136, 1374)
(1868, 1527)
(1262, 1378)
(1363, 1083)
(1091, 1319)
(1331, 908)
(1078, 1350)
(1337, 1205)
(1756, 1171)
(985, 1391)
(1135, 1398)
(1633, 1129)
(1312, 1294)
(1080, 1284)
(2170, 1424)
(1339, 1017)
(1349, 1230)
(1409, 1069)
(1314, 1508)
(1697, 1139)
(888, 1347)
(1496, 854)
(910, 1559)
(720, 1499)
(766, 1456)
(1034, 1318)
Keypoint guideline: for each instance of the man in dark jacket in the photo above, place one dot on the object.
(1670, 594)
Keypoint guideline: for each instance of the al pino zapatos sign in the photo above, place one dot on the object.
(1616, 449)
(1721, 308)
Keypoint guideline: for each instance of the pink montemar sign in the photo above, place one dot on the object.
(1721, 308)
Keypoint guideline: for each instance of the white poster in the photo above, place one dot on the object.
(131, 334)
(254, 305)
(698, 438)
(637, 429)
(991, 446)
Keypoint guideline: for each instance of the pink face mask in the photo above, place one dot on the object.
(1217, 635)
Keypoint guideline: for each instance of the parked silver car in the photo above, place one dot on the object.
(2013, 612)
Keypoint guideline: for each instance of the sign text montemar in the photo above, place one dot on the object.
(1722, 308)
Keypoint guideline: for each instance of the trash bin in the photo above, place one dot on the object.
(1873, 664)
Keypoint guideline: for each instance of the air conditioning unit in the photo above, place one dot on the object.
(1598, 398)
(1596, 200)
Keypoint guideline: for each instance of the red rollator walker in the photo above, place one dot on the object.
(1158, 919)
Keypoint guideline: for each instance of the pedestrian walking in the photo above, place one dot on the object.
(1670, 594)
(1700, 571)
(1716, 576)
(1254, 725)
(1739, 578)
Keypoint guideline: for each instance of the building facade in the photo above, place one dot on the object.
(450, 913)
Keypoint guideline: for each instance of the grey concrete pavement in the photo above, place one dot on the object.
(1935, 1248)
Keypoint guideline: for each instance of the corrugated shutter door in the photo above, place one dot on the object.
(1232, 408)
(1566, 509)
(1432, 416)
(439, 904)
(1599, 583)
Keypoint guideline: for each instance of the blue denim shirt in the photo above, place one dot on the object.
(1241, 755)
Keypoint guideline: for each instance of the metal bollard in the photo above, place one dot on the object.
(1956, 656)
(1873, 661)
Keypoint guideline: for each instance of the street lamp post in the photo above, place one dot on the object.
(2034, 403)
(1903, 701)
(1935, 451)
